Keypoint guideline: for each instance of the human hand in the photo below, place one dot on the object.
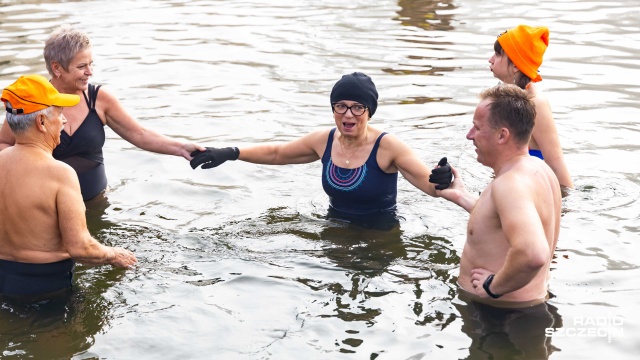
(123, 258)
(441, 175)
(478, 277)
(187, 149)
(212, 157)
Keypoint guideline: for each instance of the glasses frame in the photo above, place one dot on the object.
(349, 108)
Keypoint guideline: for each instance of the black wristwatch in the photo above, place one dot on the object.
(486, 284)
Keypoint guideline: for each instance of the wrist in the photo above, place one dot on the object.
(236, 153)
(113, 257)
(486, 286)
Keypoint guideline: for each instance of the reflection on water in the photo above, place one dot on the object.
(427, 14)
(61, 325)
(244, 255)
(508, 333)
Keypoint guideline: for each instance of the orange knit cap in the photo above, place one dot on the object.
(525, 46)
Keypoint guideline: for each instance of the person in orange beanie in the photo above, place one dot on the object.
(518, 55)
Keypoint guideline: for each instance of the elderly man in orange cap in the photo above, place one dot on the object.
(43, 229)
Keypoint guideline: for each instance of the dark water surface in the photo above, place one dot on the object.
(240, 262)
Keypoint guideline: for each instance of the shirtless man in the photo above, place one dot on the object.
(513, 227)
(43, 228)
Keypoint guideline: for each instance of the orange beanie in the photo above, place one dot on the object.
(525, 46)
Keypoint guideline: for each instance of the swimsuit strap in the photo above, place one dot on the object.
(93, 96)
(327, 150)
(377, 144)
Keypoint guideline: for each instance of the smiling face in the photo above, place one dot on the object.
(349, 124)
(484, 137)
(76, 77)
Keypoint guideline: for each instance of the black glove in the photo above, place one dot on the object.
(442, 175)
(213, 157)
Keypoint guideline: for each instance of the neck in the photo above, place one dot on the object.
(355, 141)
(36, 141)
(504, 164)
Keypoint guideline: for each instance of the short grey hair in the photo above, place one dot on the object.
(20, 123)
(63, 45)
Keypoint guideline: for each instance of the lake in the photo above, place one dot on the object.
(240, 262)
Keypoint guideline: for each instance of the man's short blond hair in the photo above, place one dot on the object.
(512, 108)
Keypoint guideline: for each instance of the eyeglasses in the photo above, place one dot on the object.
(356, 109)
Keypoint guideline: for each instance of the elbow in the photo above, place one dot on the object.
(537, 260)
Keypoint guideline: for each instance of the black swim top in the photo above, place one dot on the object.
(83, 150)
(363, 190)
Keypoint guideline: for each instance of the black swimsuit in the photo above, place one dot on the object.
(83, 150)
(17, 278)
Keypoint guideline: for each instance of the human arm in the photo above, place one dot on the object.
(76, 238)
(6, 136)
(528, 251)
(545, 136)
(123, 124)
(457, 193)
(402, 157)
(299, 151)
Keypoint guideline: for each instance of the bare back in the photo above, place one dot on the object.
(31, 182)
(520, 209)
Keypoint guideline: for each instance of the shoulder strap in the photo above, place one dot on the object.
(93, 96)
(377, 144)
(327, 150)
(330, 139)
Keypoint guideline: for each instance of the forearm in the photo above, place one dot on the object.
(276, 154)
(519, 269)
(259, 154)
(150, 140)
(92, 252)
(562, 173)
(462, 198)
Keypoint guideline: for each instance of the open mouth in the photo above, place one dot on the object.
(348, 126)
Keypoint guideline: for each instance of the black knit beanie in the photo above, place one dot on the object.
(356, 87)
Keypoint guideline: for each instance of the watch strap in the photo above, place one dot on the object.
(486, 285)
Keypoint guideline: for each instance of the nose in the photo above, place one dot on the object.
(492, 59)
(64, 119)
(89, 70)
(470, 134)
(349, 112)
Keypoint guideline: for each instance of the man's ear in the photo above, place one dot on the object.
(40, 119)
(503, 135)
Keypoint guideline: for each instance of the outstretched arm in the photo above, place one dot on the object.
(407, 162)
(457, 193)
(303, 150)
(119, 120)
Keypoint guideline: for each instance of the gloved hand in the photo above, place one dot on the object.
(213, 157)
(442, 175)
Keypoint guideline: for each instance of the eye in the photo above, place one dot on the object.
(358, 108)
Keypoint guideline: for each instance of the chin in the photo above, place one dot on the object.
(82, 86)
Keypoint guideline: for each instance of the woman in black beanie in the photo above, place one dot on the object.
(360, 163)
